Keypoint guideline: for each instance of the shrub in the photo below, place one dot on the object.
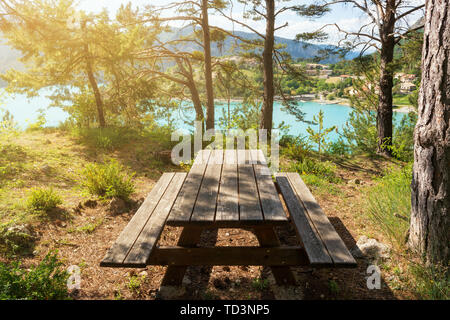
(44, 200)
(340, 148)
(296, 148)
(389, 204)
(108, 180)
(325, 170)
(47, 281)
(107, 139)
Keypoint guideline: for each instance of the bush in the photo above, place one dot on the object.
(108, 180)
(296, 148)
(44, 200)
(389, 204)
(340, 148)
(47, 281)
(325, 170)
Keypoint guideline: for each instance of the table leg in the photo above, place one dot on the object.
(268, 238)
(190, 237)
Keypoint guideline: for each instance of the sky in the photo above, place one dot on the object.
(347, 17)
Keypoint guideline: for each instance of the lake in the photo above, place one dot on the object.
(26, 111)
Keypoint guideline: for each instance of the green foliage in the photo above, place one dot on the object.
(8, 127)
(403, 143)
(340, 148)
(260, 284)
(108, 180)
(325, 170)
(39, 124)
(389, 204)
(46, 281)
(43, 200)
(320, 137)
(431, 282)
(296, 148)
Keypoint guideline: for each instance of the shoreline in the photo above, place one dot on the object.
(340, 102)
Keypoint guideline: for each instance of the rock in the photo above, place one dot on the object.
(370, 249)
(117, 206)
(20, 237)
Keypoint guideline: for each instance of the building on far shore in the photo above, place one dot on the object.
(407, 87)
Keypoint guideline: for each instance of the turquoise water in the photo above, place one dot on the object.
(26, 111)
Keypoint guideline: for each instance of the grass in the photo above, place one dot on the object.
(401, 100)
(389, 204)
(43, 200)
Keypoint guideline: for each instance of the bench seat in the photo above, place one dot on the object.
(323, 246)
(138, 240)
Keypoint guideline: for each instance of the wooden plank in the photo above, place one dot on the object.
(333, 242)
(149, 236)
(229, 256)
(243, 156)
(227, 202)
(118, 252)
(249, 205)
(268, 194)
(315, 249)
(205, 206)
(184, 205)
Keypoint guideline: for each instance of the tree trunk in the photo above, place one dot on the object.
(210, 109)
(269, 43)
(98, 97)
(429, 232)
(384, 112)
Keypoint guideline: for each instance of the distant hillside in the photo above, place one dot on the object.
(9, 57)
(295, 48)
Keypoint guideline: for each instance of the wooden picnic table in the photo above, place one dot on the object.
(229, 189)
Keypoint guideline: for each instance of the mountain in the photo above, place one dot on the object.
(9, 58)
(297, 50)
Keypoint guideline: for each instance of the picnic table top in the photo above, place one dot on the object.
(229, 188)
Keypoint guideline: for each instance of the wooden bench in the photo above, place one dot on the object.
(321, 242)
(138, 240)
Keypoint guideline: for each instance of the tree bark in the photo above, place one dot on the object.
(384, 112)
(210, 109)
(269, 43)
(429, 232)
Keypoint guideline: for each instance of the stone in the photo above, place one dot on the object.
(117, 206)
(370, 249)
(186, 282)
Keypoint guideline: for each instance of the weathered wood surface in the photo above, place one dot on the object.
(229, 256)
(228, 189)
(313, 224)
(128, 238)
